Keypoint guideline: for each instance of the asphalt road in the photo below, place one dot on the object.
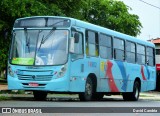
(64, 102)
(108, 106)
(111, 102)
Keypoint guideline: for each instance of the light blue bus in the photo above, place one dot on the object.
(52, 54)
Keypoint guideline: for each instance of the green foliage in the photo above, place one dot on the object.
(112, 14)
(13, 9)
(2, 98)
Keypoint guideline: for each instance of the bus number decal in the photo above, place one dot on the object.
(92, 64)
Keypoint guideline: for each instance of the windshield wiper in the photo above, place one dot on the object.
(27, 39)
(50, 33)
(52, 30)
(41, 43)
(45, 38)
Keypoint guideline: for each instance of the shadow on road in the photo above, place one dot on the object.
(62, 99)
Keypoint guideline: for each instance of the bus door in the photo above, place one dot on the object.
(77, 63)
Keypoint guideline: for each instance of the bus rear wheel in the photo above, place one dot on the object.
(89, 91)
(40, 95)
(133, 96)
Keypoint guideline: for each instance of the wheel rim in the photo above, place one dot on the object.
(136, 92)
(88, 89)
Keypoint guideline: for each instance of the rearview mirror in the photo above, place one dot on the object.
(71, 47)
(76, 36)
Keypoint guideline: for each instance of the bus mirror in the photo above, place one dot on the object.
(76, 36)
(71, 47)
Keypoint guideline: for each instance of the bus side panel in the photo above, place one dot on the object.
(79, 71)
(114, 77)
(151, 78)
(103, 85)
(132, 71)
(118, 76)
(77, 75)
(148, 78)
(146, 74)
(136, 71)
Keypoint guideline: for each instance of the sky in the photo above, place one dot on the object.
(149, 17)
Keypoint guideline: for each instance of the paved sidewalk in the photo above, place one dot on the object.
(150, 95)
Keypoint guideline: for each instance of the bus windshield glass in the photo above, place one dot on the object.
(39, 47)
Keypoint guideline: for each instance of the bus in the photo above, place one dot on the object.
(53, 54)
(158, 65)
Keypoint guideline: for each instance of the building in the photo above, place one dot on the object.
(157, 46)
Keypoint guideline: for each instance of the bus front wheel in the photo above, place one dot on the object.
(89, 91)
(40, 95)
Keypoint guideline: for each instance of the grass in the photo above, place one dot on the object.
(2, 98)
(12, 92)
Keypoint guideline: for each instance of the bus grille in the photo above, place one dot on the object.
(35, 77)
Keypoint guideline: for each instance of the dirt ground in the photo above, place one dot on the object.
(3, 87)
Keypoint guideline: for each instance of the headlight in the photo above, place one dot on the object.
(62, 72)
(10, 72)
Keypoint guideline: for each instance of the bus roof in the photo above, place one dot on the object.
(86, 25)
(110, 32)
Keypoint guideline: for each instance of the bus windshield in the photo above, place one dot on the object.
(39, 47)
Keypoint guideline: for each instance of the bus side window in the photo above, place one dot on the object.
(130, 52)
(141, 57)
(150, 56)
(119, 53)
(92, 48)
(105, 46)
(78, 45)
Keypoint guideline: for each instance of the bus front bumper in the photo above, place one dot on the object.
(57, 85)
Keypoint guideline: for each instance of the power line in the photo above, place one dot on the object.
(149, 4)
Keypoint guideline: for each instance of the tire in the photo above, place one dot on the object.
(89, 91)
(40, 95)
(136, 91)
(133, 96)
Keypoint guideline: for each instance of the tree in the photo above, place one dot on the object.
(113, 15)
(10, 10)
(107, 13)
(70, 8)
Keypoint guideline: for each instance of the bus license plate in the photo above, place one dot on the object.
(34, 84)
